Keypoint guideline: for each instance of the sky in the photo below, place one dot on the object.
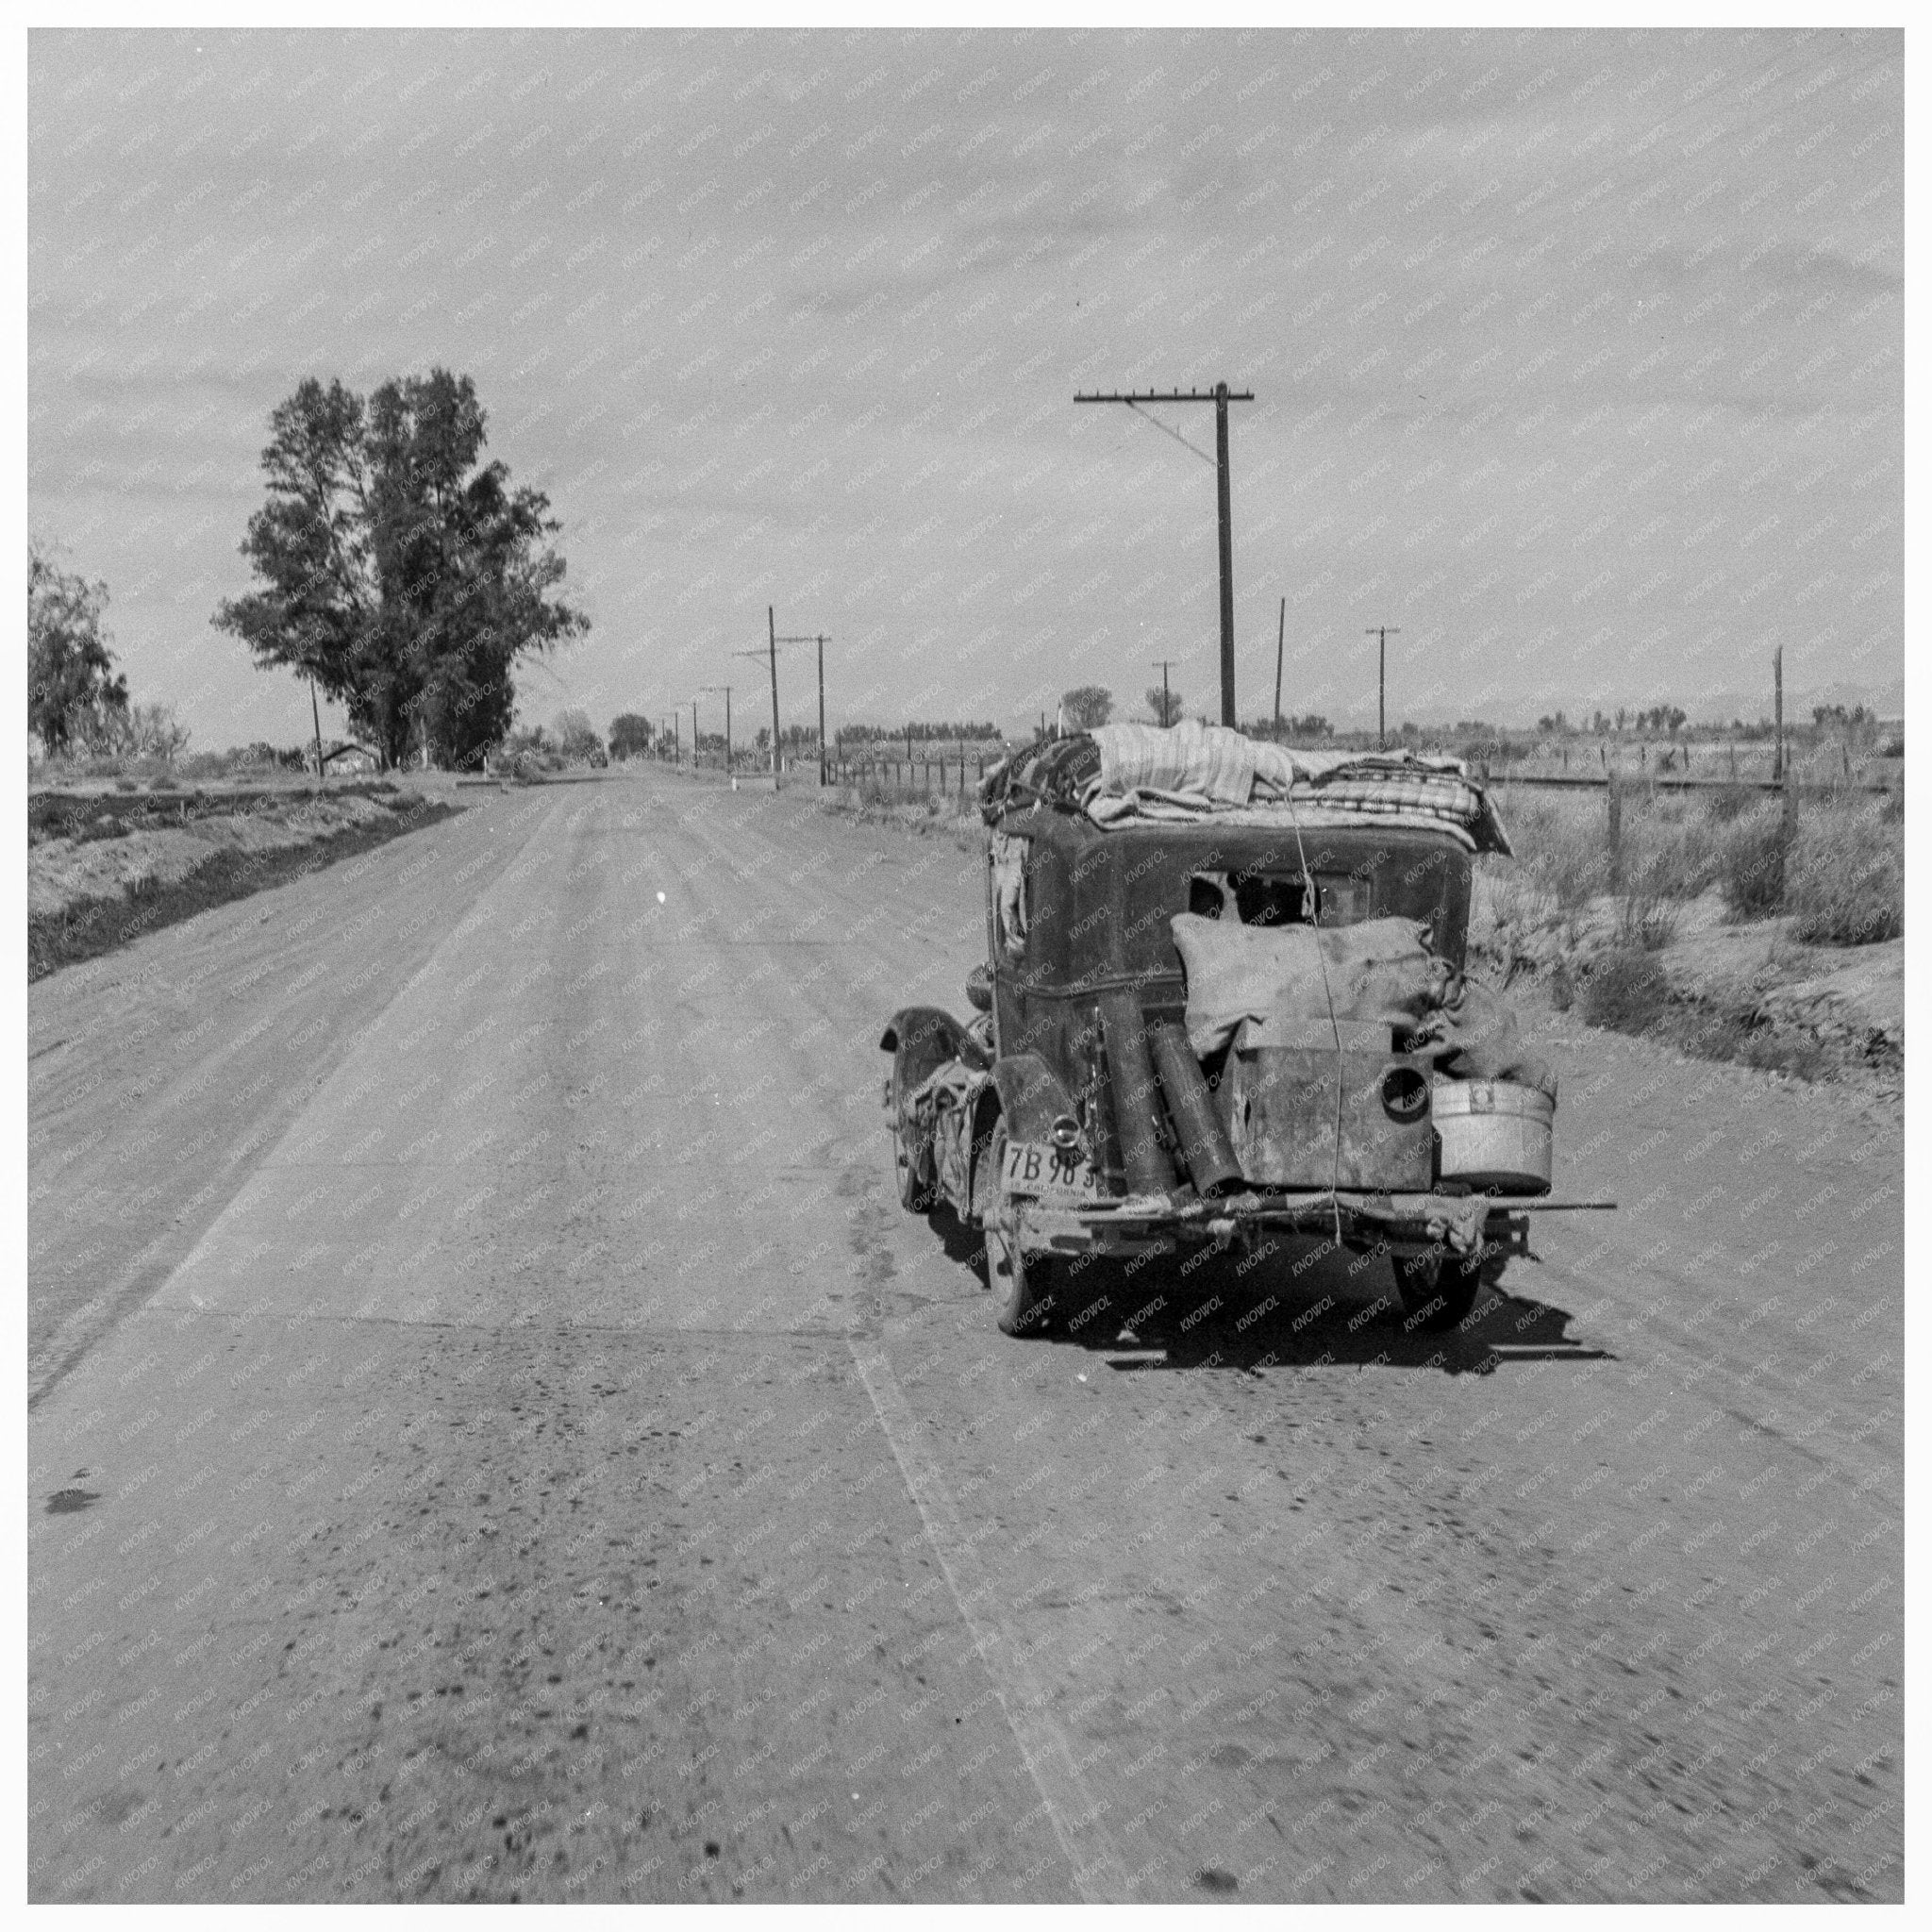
(1576, 355)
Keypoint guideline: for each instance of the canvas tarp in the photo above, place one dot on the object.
(1380, 971)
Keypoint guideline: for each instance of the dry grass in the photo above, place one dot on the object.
(1751, 863)
(1845, 876)
(1669, 847)
(1840, 879)
(1560, 848)
(919, 813)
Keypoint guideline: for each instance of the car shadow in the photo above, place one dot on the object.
(1299, 1306)
(966, 1245)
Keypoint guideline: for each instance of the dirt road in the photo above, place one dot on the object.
(494, 1433)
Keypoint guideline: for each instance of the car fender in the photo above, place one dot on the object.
(922, 1038)
(1022, 1091)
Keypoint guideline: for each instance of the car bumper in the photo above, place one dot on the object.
(1407, 1222)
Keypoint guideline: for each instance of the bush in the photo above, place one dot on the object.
(1845, 877)
(1627, 992)
(1751, 865)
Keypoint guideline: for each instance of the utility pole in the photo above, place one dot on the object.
(772, 632)
(1165, 707)
(819, 638)
(315, 711)
(694, 734)
(1280, 639)
(1777, 687)
(726, 689)
(1383, 632)
(1219, 395)
(822, 709)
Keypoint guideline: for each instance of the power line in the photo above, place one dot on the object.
(771, 652)
(821, 639)
(1167, 430)
(1219, 395)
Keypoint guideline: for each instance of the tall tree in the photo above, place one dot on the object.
(74, 694)
(399, 569)
(316, 612)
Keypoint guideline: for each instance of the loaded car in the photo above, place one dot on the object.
(1223, 999)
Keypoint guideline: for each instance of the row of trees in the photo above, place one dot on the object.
(917, 733)
(397, 568)
(1667, 719)
(1856, 724)
(1089, 705)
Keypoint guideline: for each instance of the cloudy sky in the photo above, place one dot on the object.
(1576, 355)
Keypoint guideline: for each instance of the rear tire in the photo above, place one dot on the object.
(1438, 1290)
(1022, 1286)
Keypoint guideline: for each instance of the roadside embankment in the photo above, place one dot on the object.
(1753, 991)
(105, 867)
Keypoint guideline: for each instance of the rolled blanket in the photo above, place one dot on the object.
(1213, 759)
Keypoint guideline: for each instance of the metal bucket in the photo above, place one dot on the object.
(1494, 1134)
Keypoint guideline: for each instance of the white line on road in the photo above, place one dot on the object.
(1098, 1869)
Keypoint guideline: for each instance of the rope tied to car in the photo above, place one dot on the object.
(1334, 1024)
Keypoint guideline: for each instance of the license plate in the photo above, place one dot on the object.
(1042, 1170)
